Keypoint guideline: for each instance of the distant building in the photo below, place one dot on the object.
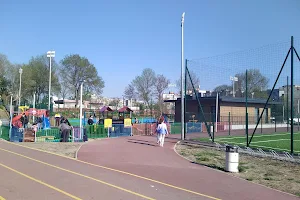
(226, 105)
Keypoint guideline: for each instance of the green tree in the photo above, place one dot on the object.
(76, 69)
(35, 79)
(223, 90)
(257, 83)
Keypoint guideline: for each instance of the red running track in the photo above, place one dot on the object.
(140, 155)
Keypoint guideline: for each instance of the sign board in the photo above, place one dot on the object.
(127, 122)
(107, 123)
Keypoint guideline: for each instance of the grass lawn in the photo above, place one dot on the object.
(275, 141)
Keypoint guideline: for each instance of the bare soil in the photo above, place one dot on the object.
(66, 149)
(276, 174)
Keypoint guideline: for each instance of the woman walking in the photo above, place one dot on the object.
(161, 131)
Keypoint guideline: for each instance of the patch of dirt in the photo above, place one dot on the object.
(280, 175)
(66, 149)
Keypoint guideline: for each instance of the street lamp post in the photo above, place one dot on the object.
(20, 72)
(80, 114)
(11, 115)
(50, 54)
(182, 80)
(233, 79)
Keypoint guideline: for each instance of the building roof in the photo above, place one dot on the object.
(125, 109)
(230, 100)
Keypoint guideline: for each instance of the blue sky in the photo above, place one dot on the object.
(121, 38)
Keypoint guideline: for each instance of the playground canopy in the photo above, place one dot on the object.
(125, 109)
(106, 109)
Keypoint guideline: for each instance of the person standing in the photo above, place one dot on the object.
(65, 128)
(162, 131)
(90, 123)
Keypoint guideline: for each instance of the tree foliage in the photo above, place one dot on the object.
(130, 92)
(189, 86)
(115, 103)
(76, 69)
(223, 90)
(35, 78)
(148, 87)
(144, 85)
(256, 83)
(161, 83)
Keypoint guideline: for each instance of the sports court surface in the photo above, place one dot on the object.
(120, 168)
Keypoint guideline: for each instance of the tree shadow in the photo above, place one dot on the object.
(143, 143)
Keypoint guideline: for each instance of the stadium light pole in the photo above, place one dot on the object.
(20, 72)
(233, 79)
(50, 54)
(182, 79)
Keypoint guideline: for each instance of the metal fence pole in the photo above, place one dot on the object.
(246, 96)
(229, 123)
(292, 95)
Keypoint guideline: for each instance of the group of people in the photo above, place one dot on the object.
(161, 131)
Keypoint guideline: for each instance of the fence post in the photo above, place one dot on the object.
(229, 123)
(292, 95)
(261, 122)
(247, 134)
(213, 134)
(275, 124)
(287, 103)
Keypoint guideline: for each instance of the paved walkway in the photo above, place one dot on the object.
(28, 174)
(165, 170)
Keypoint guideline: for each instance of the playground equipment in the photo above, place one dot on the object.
(21, 134)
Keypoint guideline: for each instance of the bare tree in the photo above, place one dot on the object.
(130, 92)
(189, 86)
(161, 83)
(144, 85)
(115, 103)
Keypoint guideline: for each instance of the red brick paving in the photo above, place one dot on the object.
(140, 155)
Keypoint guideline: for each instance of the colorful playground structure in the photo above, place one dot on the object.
(106, 123)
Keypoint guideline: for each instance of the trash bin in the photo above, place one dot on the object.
(232, 159)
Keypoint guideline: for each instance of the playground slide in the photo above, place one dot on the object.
(46, 123)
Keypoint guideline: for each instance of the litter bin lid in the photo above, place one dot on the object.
(230, 148)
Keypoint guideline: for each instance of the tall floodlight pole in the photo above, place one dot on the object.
(182, 80)
(50, 54)
(233, 79)
(20, 72)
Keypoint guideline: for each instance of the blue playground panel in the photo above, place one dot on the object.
(145, 120)
(194, 127)
(118, 130)
(16, 135)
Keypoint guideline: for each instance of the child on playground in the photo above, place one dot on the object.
(34, 127)
(161, 131)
